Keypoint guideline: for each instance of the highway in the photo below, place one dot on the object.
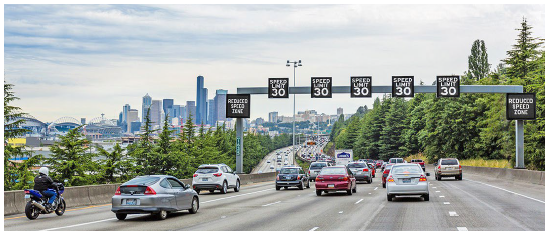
(476, 203)
(264, 167)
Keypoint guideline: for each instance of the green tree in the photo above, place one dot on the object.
(522, 59)
(478, 61)
(112, 164)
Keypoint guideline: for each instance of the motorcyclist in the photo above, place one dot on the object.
(42, 183)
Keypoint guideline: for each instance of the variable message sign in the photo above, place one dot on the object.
(448, 86)
(278, 88)
(521, 106)
(238, 106)
(320, 87)
(402, 86)
(360, 86)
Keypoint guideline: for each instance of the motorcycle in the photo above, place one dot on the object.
(36, 205)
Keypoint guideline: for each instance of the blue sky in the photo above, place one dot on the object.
(84, 60)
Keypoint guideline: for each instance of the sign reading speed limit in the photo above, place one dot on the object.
(402, 86)
(360, 86)
(448, 86)
(279, 87)
(320, 87)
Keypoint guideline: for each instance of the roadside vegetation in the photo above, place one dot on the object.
(472, 127)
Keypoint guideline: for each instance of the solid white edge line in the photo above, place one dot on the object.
(462, 228)
(357, 202)
(518, 194)
(87, 223)
(315, 228)
(272, 203)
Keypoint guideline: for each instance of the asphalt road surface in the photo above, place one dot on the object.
(476, 203)
(264, 167)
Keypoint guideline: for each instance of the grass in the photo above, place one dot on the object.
(477, 162)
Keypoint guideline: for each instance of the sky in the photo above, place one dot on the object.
(84, 60)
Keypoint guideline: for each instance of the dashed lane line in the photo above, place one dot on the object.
(340, 212)
(446, 203)
(315, 228)
(461, 228)
(375, 188)
(441, 196)
(271, 203)
(357, 202)
(453, 213)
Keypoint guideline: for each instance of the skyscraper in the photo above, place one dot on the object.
(339, 111)
(126, 109)
(176, 112)
(167, 105)
(220, 100)
(201, 100)
(205, 114)
(146, 104)
(183, 113)
(155, 112)
(211, 112)
(190, 109)
(273, 117)
(132, 116)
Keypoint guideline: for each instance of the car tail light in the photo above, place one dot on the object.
(195, 175)
(149, 191)
(366, 170)
(343, 178)
(390, 179)
(423, 178)
(319, 178)
(27, 192)
(460, 166)
(117, 192)
(217, 174)
(298, 177)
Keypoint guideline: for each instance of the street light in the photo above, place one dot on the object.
(295, 65)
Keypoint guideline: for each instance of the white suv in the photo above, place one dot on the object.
(215, 177)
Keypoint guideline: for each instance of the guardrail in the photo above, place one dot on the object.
(14, 201)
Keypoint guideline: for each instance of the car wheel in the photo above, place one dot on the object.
(439, 178)
(121, 216)
(426, 197)
(318, 192)
(308, 183)
(460, 177)
(162, 215)
(198, 191)
(383, 185)
(355, 189)
(371, 179)
(390, 197)
(277, 188)
(435, 176)
(237, 187)
(285, 187)
(301, 187)
(194, 206)
(224, 188)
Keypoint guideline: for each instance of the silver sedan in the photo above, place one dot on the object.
(407, 179)
(154, 194)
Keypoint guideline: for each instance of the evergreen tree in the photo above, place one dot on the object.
(111, 165)
(522, 59)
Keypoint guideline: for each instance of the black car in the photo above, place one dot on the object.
(292, 177)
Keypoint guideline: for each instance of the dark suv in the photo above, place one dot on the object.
(292, 177)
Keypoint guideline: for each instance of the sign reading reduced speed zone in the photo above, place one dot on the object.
(320, 87)
(278, 88)
(521, 106)
(238, 106)
(360, 86)
(403, 86)
(448, 86)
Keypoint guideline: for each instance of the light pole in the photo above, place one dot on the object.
(295, 65)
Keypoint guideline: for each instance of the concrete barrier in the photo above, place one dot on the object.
(14, 201)
(524, 175)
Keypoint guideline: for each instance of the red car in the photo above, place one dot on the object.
(379, 163)
(420, 162)
(385, 173)
(335, 178)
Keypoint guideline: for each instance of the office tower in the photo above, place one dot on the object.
(146, 104)
(273, 117)
(132, 116)
(339, 111)
(126, 109)
(211, 112)
(175, 112)
(259, 121)
(190, 109)
(201, 100)
(155, 112)
(119, 122)
(183, 112)
(167, 105)
(135, 126)
(220, 100)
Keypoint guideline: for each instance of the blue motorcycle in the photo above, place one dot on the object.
(36, 205)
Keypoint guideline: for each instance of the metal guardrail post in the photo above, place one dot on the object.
(240, 145)
(519, 140)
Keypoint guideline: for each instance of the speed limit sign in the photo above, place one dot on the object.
(320, 87)
(448, 86)
(402, 86)
(279, 88)
(360, 86)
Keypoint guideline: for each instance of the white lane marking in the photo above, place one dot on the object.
(340, 211)
(437, 191)
(357, 202)
(453, 213)
(446, 203)
(224, 198)
(369, 193)
(441, 196)
(518, 194)
(434, 187)
(375, 188)
(70, 226)
(461, 228)
(272, 203)
(223, 217)
(315, 228)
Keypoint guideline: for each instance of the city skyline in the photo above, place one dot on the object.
(102, 62)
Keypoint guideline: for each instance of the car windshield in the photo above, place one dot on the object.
(449, 162)
(416, 160)
(206, 170)
(142, 180)
(356, 165)
(333, 171)
(396, 160)
(289, 171)
(388, 166)
(405, 169)
(317, 165)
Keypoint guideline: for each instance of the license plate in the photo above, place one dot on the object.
(27, 196)
(406, 180)
(204, 179)
(331, 186)
(130, 201)
(288, 178)
(448, 168)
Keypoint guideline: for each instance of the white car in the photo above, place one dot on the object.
(272, 167)
(407, 179)
(215, 177)
(268, 161)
